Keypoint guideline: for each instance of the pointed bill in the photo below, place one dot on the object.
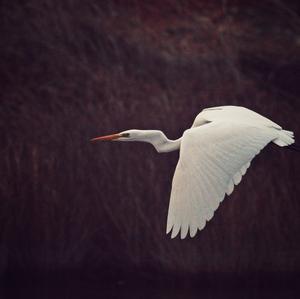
(106, 137)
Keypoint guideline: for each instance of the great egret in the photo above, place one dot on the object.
(214, 155)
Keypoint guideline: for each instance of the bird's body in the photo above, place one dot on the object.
(214, 155)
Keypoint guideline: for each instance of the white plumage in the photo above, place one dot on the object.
(214, 155)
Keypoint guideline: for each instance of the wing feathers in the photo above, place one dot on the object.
(237, 178)
(213, 159)
(230, 187)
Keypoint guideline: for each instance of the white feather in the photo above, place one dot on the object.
(213, 158)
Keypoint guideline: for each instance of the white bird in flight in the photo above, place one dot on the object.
(214, 155)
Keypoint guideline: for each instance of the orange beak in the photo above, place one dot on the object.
(106, 138)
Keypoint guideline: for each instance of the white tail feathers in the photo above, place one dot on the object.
(285, 138)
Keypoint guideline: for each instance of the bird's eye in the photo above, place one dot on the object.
(125, 135)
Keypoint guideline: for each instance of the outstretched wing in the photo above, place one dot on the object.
(213, 158)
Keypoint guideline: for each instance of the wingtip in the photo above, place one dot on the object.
(191, 234)
(169, 228)
(193, 231)
(173, 235)
(183, 235)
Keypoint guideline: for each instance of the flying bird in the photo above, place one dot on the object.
(215, 153)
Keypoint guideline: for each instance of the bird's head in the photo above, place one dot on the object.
(129, 135)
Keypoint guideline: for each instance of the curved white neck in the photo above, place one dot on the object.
(161, 143)
(167, 145)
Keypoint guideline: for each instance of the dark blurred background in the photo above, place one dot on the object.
(72, 212)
